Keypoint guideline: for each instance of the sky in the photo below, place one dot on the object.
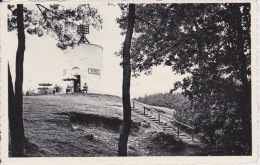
(43, 60)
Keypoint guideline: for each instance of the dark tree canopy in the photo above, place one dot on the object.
(210, 45)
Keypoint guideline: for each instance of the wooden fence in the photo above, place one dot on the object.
(159, 118)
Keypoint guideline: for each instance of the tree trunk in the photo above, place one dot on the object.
(245, 102)
(122, 145)
(241, 63)
(16, 110)
(16, 144)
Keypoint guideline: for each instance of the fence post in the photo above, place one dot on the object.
(192, 136)
(178, 130)
(133, 105)
(159, 120)
(144, 111)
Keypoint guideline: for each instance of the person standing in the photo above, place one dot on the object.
(68, 89)
(85, 88)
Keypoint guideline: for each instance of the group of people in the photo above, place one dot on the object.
(78, 89)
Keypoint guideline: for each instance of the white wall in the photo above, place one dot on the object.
(85, 56)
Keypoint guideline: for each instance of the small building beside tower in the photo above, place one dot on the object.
(83, 63)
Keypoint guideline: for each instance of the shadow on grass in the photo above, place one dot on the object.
(95, 120)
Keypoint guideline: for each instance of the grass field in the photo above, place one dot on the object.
(89, 125)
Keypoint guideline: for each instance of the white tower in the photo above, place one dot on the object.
(83, 64)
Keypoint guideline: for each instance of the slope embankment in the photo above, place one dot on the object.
(89, 125)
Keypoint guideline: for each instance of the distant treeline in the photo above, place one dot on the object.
(174, 101)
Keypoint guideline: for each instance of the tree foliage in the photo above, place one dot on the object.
(210, 44)
(57, 21)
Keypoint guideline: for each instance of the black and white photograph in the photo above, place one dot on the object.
(146, 80)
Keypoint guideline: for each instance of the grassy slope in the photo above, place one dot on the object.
(51, 132)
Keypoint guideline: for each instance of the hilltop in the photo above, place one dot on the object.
(89, 125)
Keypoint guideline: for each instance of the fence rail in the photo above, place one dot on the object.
(160, 115)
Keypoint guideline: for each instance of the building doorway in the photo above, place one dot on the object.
(76, 82)
(77, 85)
